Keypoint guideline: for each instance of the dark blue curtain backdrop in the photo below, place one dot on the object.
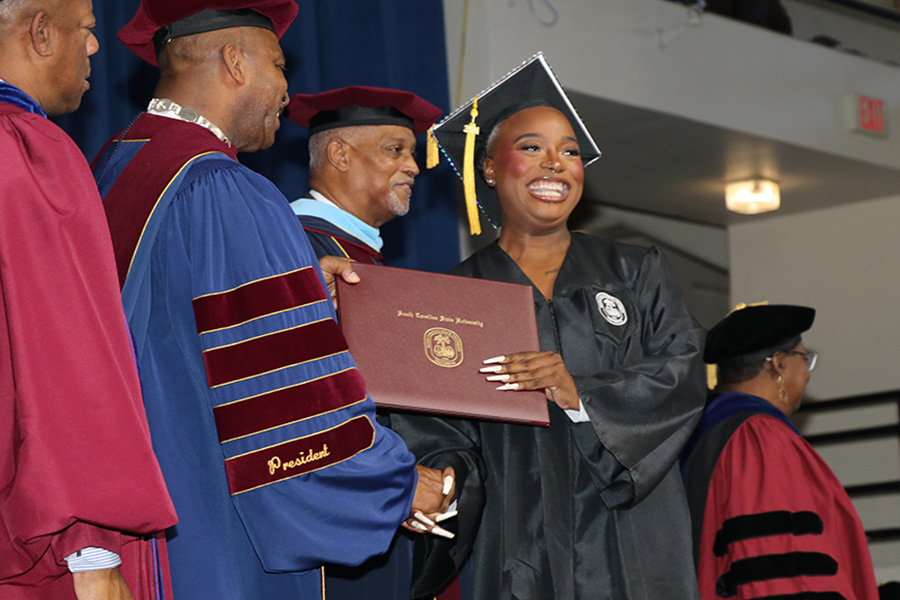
(333, 43)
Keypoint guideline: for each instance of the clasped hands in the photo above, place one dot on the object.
(435, 491)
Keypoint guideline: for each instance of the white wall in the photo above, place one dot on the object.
(704, 241)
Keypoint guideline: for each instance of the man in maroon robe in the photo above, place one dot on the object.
(80, 489)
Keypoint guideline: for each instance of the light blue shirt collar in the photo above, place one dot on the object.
(323, 208)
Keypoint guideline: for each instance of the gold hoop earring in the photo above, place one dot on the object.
(782, 390)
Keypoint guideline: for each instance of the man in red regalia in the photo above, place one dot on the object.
(80, 489)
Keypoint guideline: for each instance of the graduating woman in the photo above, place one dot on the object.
(591, 506)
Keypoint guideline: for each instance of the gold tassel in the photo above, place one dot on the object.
(743, 305)
(471, 130)
(712, 377)
(431, 150)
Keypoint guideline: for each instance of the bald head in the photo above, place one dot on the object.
(45, 49)
(233, 77)
(197, 52)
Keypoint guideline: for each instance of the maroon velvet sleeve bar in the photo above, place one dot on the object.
(419, 340)
(288, 405)
(267, 353)
(258, 299)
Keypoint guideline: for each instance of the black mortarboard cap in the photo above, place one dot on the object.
(531, 84)
(750, 335)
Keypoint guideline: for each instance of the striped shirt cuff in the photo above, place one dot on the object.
(92, 559)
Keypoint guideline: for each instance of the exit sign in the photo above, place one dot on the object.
(865, 114)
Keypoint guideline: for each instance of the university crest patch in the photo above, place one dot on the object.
(611, 309)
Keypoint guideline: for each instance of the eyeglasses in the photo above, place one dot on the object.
(809, 357)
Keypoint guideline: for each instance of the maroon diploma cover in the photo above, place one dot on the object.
(419, 340)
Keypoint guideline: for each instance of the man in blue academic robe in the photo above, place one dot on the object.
(264, 430)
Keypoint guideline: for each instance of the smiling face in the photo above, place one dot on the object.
(258, 110)
(536, 164)
(382, 170)
(71, 27)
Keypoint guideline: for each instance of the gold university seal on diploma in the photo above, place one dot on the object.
(443, 347)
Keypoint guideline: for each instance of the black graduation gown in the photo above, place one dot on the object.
(593, 509)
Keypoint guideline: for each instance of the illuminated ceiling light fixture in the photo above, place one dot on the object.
(752, 196)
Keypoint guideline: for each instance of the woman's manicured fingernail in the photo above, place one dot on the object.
(443, 532)
(421, 516)
(446, 515)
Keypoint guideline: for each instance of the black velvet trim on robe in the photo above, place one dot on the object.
(774, 566)
(804, 596)
(776, 522)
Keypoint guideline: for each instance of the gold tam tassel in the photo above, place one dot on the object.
(471, 130)
(712, 376)
(431, 150)
(743, 305)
